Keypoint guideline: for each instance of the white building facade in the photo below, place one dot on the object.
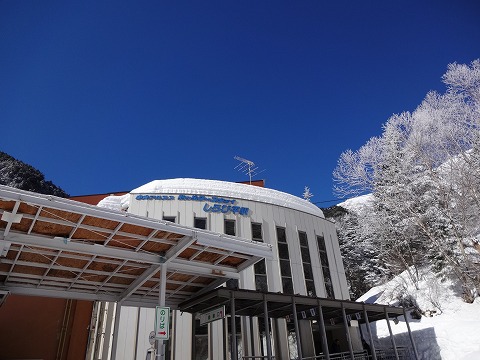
(306, 261)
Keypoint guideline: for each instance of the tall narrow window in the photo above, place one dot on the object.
(229, 229)
(307, 263)
(322, 250)
(200, 223)
(229, 226)
(284, 259)
(259, 268)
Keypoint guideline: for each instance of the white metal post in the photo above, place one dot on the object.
(323, 333)
(116, 327)
(367, 324)
(392, 338)
(297, 330)
(347, 332)
(411, 335)
(161, 302)
(108, 331)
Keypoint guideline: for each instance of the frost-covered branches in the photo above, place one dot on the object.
(464, 79)
(424, 174)
(355, 171)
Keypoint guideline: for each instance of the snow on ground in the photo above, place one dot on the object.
(450, 332)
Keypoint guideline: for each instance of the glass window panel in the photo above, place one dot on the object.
(169, 218)
(321, 243)
(281, 236)
(326, 278)
(310, 287)
(257, 232)
(261, 283)
(200, 223)
(287, 285)
(305, 254)
(260, 267)
(283, 251)
(324, 259)
(285, 268)
(329, 289)
(303, 238)
(328, 283)
(230, 227)
(307, 270)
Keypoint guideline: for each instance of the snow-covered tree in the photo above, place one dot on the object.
(359, 253)
(307, 195)
(424, 175)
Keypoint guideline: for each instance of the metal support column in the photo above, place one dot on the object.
(161, 302)
(233, 331)
(267, 328)
(116, 326)
(347, 332)
(367, 324)
(391, 334)
(410, 335)
(323, 333)
(97, 339)
(139, 310)
(110, 334)
(297, 330)
(194, 340)
(252, 338)
(225, 337)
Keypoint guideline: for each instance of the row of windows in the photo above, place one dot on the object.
(285, 267)
(201, 223)
(260, 271)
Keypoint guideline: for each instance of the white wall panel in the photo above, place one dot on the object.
(146, 324)
(181, 338)
(127, 333)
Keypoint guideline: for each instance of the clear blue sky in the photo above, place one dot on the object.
(105, 96)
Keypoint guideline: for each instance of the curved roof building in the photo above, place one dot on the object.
(306, 255)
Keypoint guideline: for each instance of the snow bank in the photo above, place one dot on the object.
(451, 330)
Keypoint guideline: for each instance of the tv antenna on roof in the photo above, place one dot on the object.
(247, 167)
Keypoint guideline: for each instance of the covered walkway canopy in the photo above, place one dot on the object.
(251, 303)
(55, 247)
(325, 312)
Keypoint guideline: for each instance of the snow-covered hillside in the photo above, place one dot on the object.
(449, 327)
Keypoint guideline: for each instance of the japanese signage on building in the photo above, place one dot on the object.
(213, 204)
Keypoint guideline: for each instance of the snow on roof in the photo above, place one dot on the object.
(115, 202)
(230, 190)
